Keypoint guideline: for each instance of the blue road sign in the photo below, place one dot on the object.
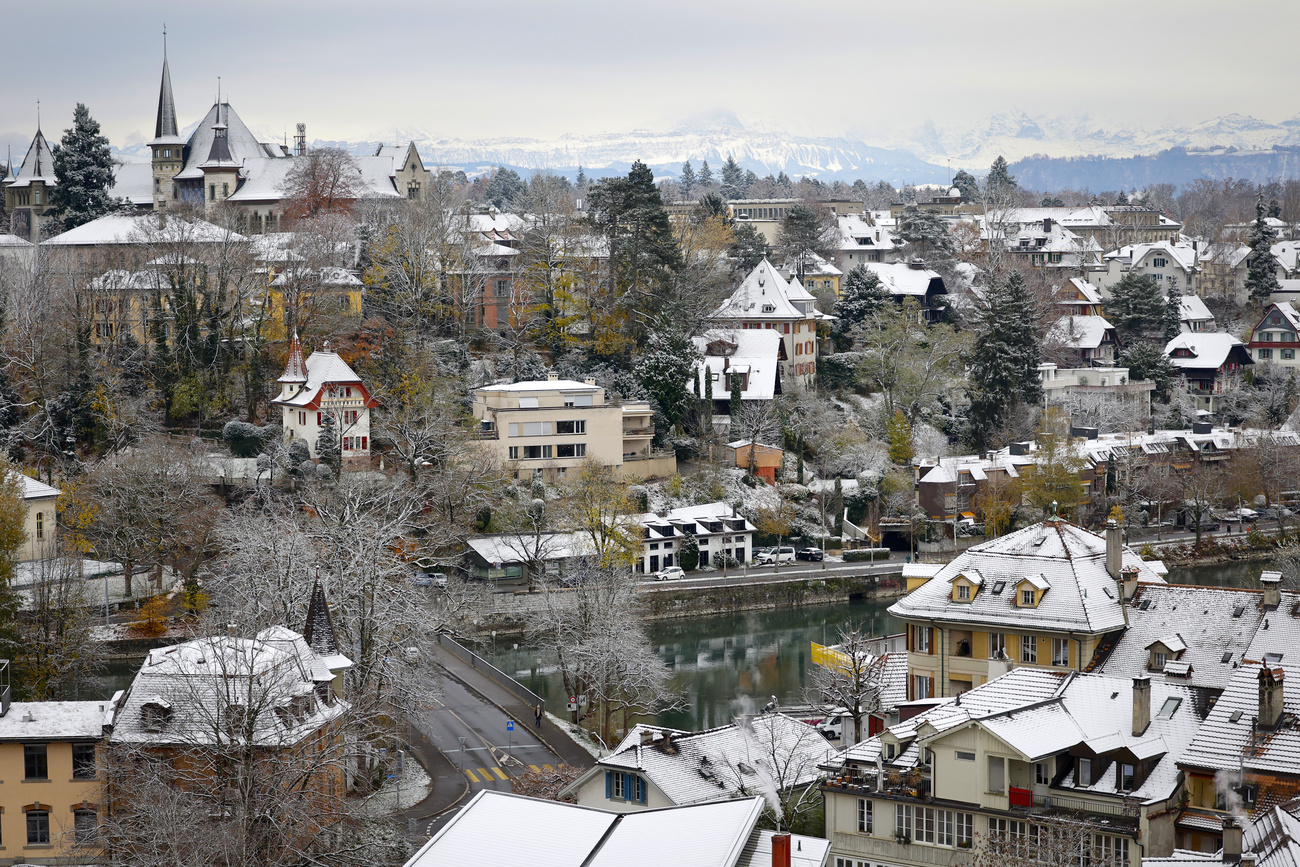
(510, 725)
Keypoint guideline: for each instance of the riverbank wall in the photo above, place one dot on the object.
(510, 612)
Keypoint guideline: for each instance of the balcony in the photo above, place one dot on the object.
(912, 784)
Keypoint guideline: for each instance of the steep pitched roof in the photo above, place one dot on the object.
(319, 631)
(765, 294)
(240, 142)
(1206, 350)
(1081, 332)
(38, 165)
(164, 128)
(1072, 560)
(295, 369)
(323, 368)
(902, 279)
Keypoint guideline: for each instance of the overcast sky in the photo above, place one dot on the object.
(533, 69)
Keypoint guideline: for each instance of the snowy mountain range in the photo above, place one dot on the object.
(922, 155)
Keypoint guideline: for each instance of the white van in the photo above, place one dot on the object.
(775, 555)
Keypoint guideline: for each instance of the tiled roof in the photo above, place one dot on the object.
(1082, 597)
(765, 288)
(1213, 622)
(323, 368)
(1224, 742)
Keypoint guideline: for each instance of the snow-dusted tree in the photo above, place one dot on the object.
(1047, 842)
(665, 367)
(862, 296)
(966, 184)
(1173, 310)
(1137, 308)
(597, 504)
(83, 165)
(686, 180)
(912, 366)
(327, 442)
(807, 232)
(854, 678)
(924, 229)
(733, 180)
(505, 189)
(1261, 268)
(61, 651)
(1003, 365)
(324, 181)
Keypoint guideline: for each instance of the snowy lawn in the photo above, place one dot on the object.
(399, 794)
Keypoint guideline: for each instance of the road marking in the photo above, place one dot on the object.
(470, 774)
(535, 768)
(548, 767)
(500, 773)
(483, 772)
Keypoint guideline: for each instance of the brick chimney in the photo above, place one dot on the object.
(1231, 839)
(780, 850)
(1272, 584)
(1270, 698)
(1141, 704)
(1114, 548)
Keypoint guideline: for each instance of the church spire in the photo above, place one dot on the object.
(295, 370)
(319, 631)
(166, 124)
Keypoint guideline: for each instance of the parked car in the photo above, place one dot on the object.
(1206, 526)
(670, 573)
(775, 555)
(814, 554)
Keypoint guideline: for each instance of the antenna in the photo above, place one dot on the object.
(38, 115)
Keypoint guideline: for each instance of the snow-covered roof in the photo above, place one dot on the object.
(1208, 350)
(1071, 559)
(8, 240)
(324, 276)
(38, 165)
(240, 142)
(670, 523)
(1192, 309)
(1288, 312)
(142, 229)
(185, 693)
(133, 181)
(35, 489)
(1287, 254)
(264, 178)
(1184, 255)
(757, 352)
(726, 761)
(765, 294)
(1086, 291)
(542, 385)
(1224, 741)
(1081, 332)
(501, 828)
(55, 720)
(1273, 836)
(508, 548)
(900, 278)
(323, 369)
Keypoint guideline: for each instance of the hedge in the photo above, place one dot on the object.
(866, 554)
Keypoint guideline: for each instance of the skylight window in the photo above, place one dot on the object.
(1146, 603)
(1235, 716)
(1169, 708)
(999, 587)
(1227, 657)
(1237, 612)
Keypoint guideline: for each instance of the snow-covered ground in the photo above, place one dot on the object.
(398, 794)
(578, 736)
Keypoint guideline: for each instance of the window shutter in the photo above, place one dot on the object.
(911, 643)
(932, 692)
(609, 785)
(929, 636)
(640, 790)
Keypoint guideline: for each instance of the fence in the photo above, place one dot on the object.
(493, 673)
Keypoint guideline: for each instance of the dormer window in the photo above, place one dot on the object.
(155, 714)
(963, 592)
(1027, 596)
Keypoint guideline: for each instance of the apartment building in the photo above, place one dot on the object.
(552, 425)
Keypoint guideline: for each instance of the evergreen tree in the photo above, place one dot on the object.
(1261, 267)
(783, 181)
(1137, 308)
(580, 182)
(686, 182)
(1051, 202)
(1004, 361)
(748, 247)
(707, 409)
(83, 165)
(999, 180)
(327, 443)
(899, 434)
(688, 553)
(862, 296)
(1173, 310)
(966, 184)
(836, 508)
(1274, 209)
(806, 233)
(926, 230)
(706, 173)
(733, 180)
(736, 400)
(1146, 360)
(505, 189)
(669, 360)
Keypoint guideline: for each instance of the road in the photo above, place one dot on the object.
(799, 570)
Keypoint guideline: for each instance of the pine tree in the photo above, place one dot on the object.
(1261, 267)
(706, 173)
(999, 179)
(581, 181)
(1004, 361)
(748, 247)
(862, 296)
(83, 165)
(899, 434)
(805, 234)
(733, 180)
(1173, 310)
(688, 553)
(925, 229)
(966, 184)
(668, 361)
(736, 399)
(327, 443)
(1136, 308)
(783, 181)
(686, 181)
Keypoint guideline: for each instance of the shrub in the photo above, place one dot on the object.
(866, 555)
(151, 619)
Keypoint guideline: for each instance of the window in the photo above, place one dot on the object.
(577, 426)
(903, 821)
(1110, 851)
(320, 419)
(997, 827)
(997, 645)
(1159, 262)
(997, 774)
(922, 639)
(40, 526)
(302, 418)
(965, 756)
(37, 766)
(530, 429)
(571, 450)
(1124, 777)
(85, 826)
(212, 192)
(1060, 651)
(83, 761)
(36, 193)
(1027, 596)
(1083, 772)
(1288, 354)
(534, 453)
(624, 787)
(225, 190)
(38, 827)
(920, 687)
(965, 830)
(578, 400)
(1264, 353)
(963, 592)
(413, 190)
(502, 288)
(514, 453)
(1028, 649)
(864, 816)
(1158, 660)
(1041, 774)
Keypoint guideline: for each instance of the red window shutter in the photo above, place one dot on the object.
(932, 692)
(363, 443)
(318, 419)
(930, 636)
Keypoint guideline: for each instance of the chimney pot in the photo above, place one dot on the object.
(1231, 839)
(1270, 697)
(1141, 704)
(1114, 549)
(1272, 584)
(780, 850)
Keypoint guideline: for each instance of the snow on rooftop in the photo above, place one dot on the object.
(55, 720)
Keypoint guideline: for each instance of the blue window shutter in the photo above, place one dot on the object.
(609, 785)
(641, 789)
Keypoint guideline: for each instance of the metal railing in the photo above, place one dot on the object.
(493, 673)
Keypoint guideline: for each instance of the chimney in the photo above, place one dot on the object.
(1128, 583)
(1270, 698)
(1231, 839)
(1247, 859)
(589, 381)
(647, 737)
(1114, 548)
(552, 377)
(780, 850)
(232, 629)
(1141, 704)
(1272, 584)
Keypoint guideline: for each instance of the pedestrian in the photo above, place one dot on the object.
(537, 714)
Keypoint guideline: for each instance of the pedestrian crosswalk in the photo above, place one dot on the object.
(493, 773)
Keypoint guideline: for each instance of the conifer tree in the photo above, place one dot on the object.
(327, 443)
(1261, 267)
(999, 178)
(83, 165)
(1004, 361)
(966, 184)
(733, 179)
(708, 402)
(706, 173)
(862, 296)
(736, 399)
(806, 233)
(1173, 310)
(899, 433)
(669, 359)
(686, 181)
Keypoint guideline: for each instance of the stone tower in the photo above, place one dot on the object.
(167, 146)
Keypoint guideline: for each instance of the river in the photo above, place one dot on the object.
(724, 664)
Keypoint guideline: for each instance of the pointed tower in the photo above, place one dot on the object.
(167, 146)
(220, 171)
(319, 631)
(27, 195)
(295, 370)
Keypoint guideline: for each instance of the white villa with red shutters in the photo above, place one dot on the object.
(325, 386)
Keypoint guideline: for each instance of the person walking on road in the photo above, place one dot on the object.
(537, 714)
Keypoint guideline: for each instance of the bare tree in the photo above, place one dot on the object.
(324, 181)
(61, 650)
(1053, 841)
(853, 680)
